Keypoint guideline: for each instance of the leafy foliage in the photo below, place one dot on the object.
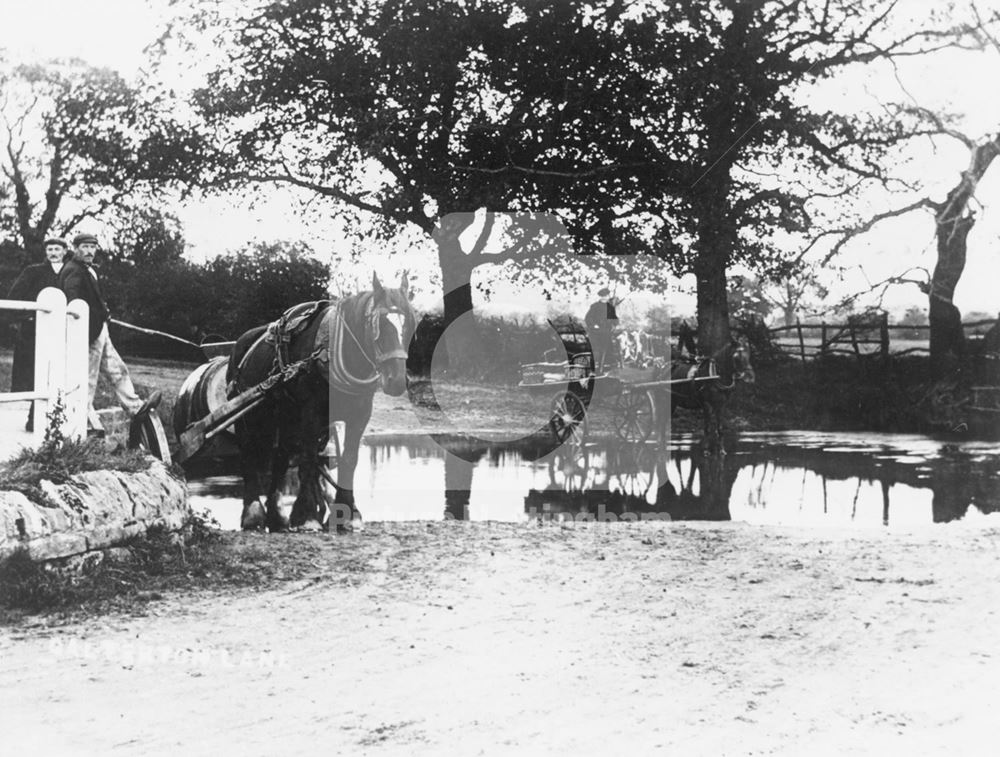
(78, 141)
(667, 127)
(220, 298)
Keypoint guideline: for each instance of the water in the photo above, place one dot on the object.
(857, 480)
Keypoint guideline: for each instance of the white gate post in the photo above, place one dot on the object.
(50, 358)
(77, 368)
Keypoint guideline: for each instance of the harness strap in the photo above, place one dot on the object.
(293, 321)
(332, 359)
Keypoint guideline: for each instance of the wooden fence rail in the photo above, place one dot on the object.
(849, 338)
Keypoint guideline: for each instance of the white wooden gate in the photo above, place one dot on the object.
(61, 357)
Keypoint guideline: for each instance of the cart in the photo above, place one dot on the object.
(571, 382)
(203, 413)
(573, 385)
(635, 405)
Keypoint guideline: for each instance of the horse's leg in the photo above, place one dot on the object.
(351, 443)
(255, 447)
(309, 502)
(306, 511)
(279, 469)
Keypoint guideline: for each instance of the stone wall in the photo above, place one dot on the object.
(93, 511)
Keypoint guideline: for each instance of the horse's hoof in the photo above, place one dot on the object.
(253, 517)
(310, 526)
(349, 525)
(276, 524)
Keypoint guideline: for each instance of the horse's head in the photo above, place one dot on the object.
(392, 323)
(742, 368)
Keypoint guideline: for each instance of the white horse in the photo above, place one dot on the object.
(626, 348)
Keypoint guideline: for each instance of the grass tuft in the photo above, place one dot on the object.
(30, 467)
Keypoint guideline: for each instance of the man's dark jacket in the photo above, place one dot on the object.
(27, 286)
(78, 283)
(601, 315)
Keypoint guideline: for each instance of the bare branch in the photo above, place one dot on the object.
(329, 191)
(847, 234)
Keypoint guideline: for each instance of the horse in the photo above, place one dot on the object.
(626, 351)
(640, 341)
(698, 390)
(350, 348)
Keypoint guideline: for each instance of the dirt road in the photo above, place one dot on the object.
(464, 638)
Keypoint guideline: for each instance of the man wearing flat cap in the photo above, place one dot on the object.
(602, 320)
(79, 280)
(32, 280)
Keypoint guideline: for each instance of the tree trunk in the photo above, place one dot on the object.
(954, 222)
(466, 356)
(712, 302)
(713, 310)
(947, 339)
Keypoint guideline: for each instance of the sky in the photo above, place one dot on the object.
(113, 33)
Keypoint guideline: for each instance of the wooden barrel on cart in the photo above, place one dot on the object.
(201, 393)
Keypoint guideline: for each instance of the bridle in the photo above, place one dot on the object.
(340, 375)
(374, 321)
(740, 374)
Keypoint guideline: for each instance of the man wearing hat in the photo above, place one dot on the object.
(601, 320)
(79, 280)
(29, 284)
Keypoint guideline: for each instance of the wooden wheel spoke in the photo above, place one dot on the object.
(569, 417)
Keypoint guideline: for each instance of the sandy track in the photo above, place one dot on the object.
(463, 638)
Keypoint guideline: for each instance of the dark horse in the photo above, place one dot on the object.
(698, 390)
(351, 347)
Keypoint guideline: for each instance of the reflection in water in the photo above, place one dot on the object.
(802, 479)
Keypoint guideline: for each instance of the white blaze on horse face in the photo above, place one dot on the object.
(397, 320)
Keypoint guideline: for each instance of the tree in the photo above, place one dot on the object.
(224, 296)
(953, 220)
(757, 156)
(76, 141)
(424, 113)
(798, 290)
(256, 285)
(747, 300)
(914, 316)
(617, 117)
(146, 236)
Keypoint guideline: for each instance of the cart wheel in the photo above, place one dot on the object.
(146, 433)
(569, 418)
(635, 417)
